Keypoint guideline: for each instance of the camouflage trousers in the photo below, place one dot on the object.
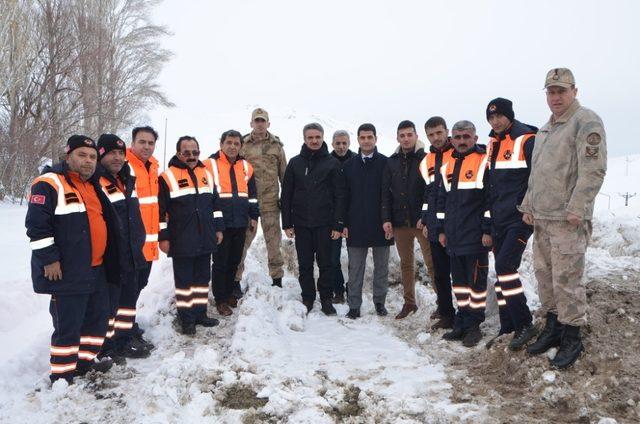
(270, 222)
(558, 259)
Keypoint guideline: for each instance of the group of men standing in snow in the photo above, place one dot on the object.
(97, 220)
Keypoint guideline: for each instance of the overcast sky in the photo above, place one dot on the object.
(385, 61)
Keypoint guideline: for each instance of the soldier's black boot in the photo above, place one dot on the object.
(550, 336)
(570, 347)
(522, 337)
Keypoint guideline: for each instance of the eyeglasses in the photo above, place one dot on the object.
(188, 153)
(462, 137)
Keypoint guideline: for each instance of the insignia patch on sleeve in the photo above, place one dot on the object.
(38, 199)
(594, 139)
(592, 152)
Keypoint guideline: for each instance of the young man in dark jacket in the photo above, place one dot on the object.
(340, 143)
(363, 222)
(510, 151)
(118, 185)
(464, 226)
(191, 226)
(402, 195)
(74, 239)
(439, 152)
(313, 196)
(233, 178)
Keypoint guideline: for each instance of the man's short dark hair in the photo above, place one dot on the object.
(435, 121)
(230, 133)
(312, 126)
(367, 127)
(146, 128)
(406, 124)
(186, 138)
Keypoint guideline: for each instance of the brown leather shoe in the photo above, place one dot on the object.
(406, 311)
(224, 309)
(233, 302)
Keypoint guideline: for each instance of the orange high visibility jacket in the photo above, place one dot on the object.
(147, 190)
(236, 187)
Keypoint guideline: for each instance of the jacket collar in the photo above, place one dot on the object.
(419, 146)
(308, 153)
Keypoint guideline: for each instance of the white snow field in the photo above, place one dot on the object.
(302, 368)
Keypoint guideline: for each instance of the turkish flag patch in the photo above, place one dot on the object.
(38, 199)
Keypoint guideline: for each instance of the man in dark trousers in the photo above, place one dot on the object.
(313, 196)
(510, 151)
(464, 227)
(236, 186)
(340, 144)
(402, 195)
(191, 226)
(439, 152)
(119, 186)
(363, 222)
(73, 233)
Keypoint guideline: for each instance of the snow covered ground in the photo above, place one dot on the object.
(269, 362)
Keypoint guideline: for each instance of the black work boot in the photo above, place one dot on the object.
(98, 365)
(443, 322)
(309, 304)
(456, 334)
(522, 337)
(550, 336)
(381, 310)
(133, 348)
(472, 336)
(353, 313)
(327, 307)
(205, 321)
(188, 328)
(570, 347)
(277, 282)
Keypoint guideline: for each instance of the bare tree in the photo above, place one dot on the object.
(71, 66)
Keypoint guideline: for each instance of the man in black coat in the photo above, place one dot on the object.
(340, 143)
(402, 195)
(363, 222)
(313, 194)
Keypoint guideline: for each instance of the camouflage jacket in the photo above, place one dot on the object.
(269, 162)
(568, 166)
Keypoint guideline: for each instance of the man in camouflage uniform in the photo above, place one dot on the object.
(265, 153)
(567, 171)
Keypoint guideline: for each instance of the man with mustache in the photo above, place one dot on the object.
(236, 186)
(119, 186)
(464, 227)
(313, 199)
(568, 168)
(191, 226)
(74, 235)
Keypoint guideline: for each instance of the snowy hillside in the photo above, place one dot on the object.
(270, 362)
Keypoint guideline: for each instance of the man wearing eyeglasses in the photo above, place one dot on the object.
(464, 227)
(568, 168)
(191, 226)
